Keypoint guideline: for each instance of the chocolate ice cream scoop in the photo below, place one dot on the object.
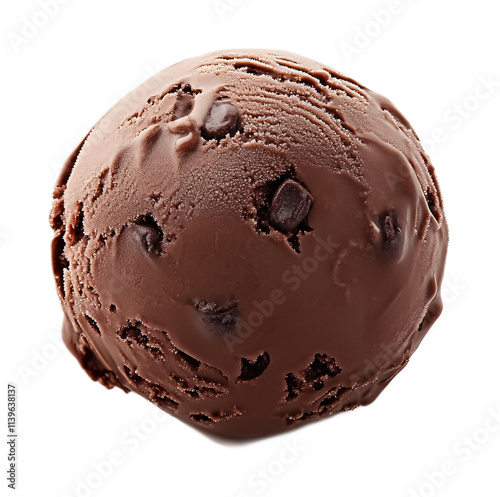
(251, 241)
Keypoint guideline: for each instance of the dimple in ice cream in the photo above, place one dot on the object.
(251, 241)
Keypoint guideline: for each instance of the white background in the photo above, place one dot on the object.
(430, 58)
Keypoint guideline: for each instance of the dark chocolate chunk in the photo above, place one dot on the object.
(149, 234)
(314, 376)
(321, 368)
(220, 319)
(253, 369)
(134, 335)
(391, 232)
(293, 386)
(290, 206)
(389, 229)
(222, 120)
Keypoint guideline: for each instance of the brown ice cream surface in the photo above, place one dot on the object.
(250, 240)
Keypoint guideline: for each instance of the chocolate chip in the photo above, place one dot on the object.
(220, 319)
(148, 233)
(133, 334)
(290, 206)
(222, 120)
(293, 386)
(253, 369)
(391, 232)
(184, 104)
(321, 368)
